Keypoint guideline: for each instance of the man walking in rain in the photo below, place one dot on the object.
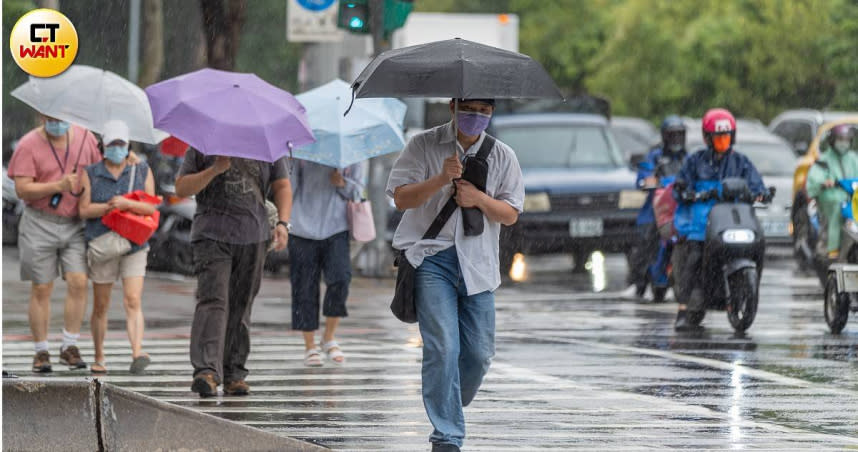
(458, 270)
(45, 167)
(230, 236)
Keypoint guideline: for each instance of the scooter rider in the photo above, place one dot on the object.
(834, 164)
(715, 163)
(663, 160)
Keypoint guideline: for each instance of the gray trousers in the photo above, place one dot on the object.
(228, 278)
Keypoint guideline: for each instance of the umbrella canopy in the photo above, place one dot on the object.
(90, 97)
(454, 68)
(374, 127)
(230, 114)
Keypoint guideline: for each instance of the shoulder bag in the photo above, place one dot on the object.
(404, 305)
(109, 245)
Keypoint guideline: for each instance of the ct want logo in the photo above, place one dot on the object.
(44, 43)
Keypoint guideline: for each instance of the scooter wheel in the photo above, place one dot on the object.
(836, 306)
(742, 305)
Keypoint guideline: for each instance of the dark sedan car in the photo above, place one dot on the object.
(579, 194)
(634, 135)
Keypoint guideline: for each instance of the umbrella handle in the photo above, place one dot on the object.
(354, 88)
(456, 127)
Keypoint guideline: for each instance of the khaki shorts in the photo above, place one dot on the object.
(50, 246)
(127, 266)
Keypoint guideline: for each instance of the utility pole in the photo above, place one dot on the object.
(134, 41)
(378, 253)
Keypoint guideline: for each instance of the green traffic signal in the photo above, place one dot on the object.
(353, 15)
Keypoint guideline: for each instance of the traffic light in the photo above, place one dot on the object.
(353, 15)
(395, 13)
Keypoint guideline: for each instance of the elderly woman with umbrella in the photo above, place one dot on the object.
(323, 195)
(454, 209)
(241, 130)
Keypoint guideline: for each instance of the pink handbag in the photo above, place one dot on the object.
(361, 222)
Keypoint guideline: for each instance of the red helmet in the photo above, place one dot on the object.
(719, 121)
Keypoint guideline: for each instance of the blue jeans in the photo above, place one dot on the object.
(458, 343)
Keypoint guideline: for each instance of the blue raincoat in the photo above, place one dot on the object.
(655, 158)
(703, 171)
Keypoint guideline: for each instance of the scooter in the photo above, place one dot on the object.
(170, 246)
(733, 251)
(13, 207)
(841, 282)
(848, 253)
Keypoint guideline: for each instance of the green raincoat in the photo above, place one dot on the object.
(831, 166)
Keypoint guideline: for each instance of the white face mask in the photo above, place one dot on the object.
(841, 145)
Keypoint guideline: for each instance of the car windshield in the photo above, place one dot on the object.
(771, 159)
(630, 139)
(561, 146)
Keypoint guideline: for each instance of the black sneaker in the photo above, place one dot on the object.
(682, 323)
(444, 447)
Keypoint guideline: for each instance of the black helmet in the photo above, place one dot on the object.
(673, 133)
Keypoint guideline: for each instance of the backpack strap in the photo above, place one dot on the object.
(486, 147)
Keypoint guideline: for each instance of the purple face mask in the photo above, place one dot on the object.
(471, 123)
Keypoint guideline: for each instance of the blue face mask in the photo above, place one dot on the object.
(57, 128)
(116, 154)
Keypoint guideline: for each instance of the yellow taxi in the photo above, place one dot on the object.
(804, 238)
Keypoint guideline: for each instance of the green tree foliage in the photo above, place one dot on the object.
(15, 113)
(652, 57)
(264, 49)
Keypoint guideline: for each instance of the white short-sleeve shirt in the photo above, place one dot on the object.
(422, 159)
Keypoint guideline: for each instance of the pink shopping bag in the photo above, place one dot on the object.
(361, 222)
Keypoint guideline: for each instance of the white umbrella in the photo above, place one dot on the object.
(89, 97)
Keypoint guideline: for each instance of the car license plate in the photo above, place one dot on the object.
(775, 228)
(586, 227)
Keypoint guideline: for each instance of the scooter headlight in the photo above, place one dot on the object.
(851, 226)
(738, 236)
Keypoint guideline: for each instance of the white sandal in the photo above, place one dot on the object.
(313, 358)
(334, 353)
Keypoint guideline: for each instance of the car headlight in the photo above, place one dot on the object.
(537, 202)
(738, 236)
(632, 199)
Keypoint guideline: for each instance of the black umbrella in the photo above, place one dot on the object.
(458, 69)
(454, 68)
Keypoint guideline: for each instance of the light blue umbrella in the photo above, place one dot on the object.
(373, 128)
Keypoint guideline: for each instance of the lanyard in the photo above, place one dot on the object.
(56, 156)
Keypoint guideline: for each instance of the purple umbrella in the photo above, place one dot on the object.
(231, 114)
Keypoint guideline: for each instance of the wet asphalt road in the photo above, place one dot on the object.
(576, 367)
